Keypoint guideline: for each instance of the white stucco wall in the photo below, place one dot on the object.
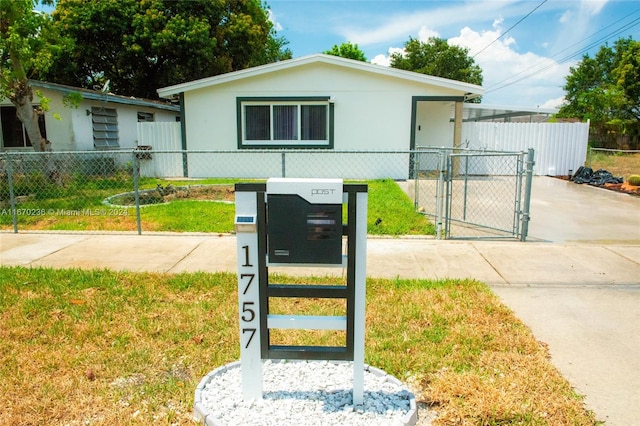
(73, 131)
(372, 112)
(432, 124)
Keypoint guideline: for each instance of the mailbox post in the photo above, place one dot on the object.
(298, 222)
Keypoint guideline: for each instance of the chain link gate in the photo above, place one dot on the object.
(475, 194)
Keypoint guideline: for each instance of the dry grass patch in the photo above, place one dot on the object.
(618, 164)
(110, 348)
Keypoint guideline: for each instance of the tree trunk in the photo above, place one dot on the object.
(22, 99)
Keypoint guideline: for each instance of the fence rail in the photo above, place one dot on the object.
(107, 190)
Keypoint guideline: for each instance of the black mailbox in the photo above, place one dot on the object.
(304, 221)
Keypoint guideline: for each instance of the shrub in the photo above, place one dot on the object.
(634, 180)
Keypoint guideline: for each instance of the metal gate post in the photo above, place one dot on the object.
(416, 181)
(440, 197)
(517, 210)
(12, 195)
(527, 195)
(136, 188)
(448, 197)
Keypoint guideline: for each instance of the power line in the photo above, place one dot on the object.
(499, 85)
(512, 27)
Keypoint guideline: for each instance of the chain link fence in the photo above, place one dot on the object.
(39, 189)
(475, 194)
(262, 164)
(109, 190)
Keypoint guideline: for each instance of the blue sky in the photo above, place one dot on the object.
(526, 66)
(524, 59)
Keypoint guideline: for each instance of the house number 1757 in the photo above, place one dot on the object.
(247, 313)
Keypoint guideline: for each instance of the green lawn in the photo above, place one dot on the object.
(118, 348)
(79, 207)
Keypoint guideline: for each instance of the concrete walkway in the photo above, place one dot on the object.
(577, 286)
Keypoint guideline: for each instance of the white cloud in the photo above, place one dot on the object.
(386, 59)
(592, 7)
(511, 77)
(553, 103)
(381, 59)
(272, 17)
(425, 33)
(402, 25)
(566, 17)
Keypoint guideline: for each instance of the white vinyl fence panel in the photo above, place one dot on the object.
(559, 147)
(161, 136)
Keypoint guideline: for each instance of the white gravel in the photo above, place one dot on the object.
(304, 393)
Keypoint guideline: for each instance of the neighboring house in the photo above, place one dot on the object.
(102, 121)
(321, 103)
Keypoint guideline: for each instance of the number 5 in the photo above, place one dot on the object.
(251, 312)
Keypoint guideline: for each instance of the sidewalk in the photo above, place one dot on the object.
(581, 299)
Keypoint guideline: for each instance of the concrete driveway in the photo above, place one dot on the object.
(591, 324)
(565, 212)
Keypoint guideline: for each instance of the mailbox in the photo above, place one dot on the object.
(304, 221)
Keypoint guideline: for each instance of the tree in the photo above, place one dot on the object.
(606, 90)
(347, 50)
(627, 75)
(143, 45)
(27, 47)
(436, 57)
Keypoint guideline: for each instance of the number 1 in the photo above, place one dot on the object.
(246, 256)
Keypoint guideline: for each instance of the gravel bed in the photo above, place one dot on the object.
(304, 393)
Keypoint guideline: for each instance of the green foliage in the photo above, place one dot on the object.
(634, 180)
(347, 50)
(143, 45)
(436, 57)
(27, 48)
(605, 88)
(72, 99)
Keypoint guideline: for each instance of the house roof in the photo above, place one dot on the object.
(470, 90)
(106, 97)
(483, 112)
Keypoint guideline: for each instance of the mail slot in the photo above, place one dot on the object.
(304, 228)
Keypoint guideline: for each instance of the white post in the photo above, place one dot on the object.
(248, 295)
(360, 298)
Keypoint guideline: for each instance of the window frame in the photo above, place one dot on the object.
(298, 142)
(146, 117)
(9, 116)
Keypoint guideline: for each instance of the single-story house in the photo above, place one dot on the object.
(321, 103)
(101, 121)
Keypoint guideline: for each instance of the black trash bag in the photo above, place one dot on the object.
(600, 177)
(583, 175)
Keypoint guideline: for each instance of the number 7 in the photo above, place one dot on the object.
(250, 330)
(251, 277)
